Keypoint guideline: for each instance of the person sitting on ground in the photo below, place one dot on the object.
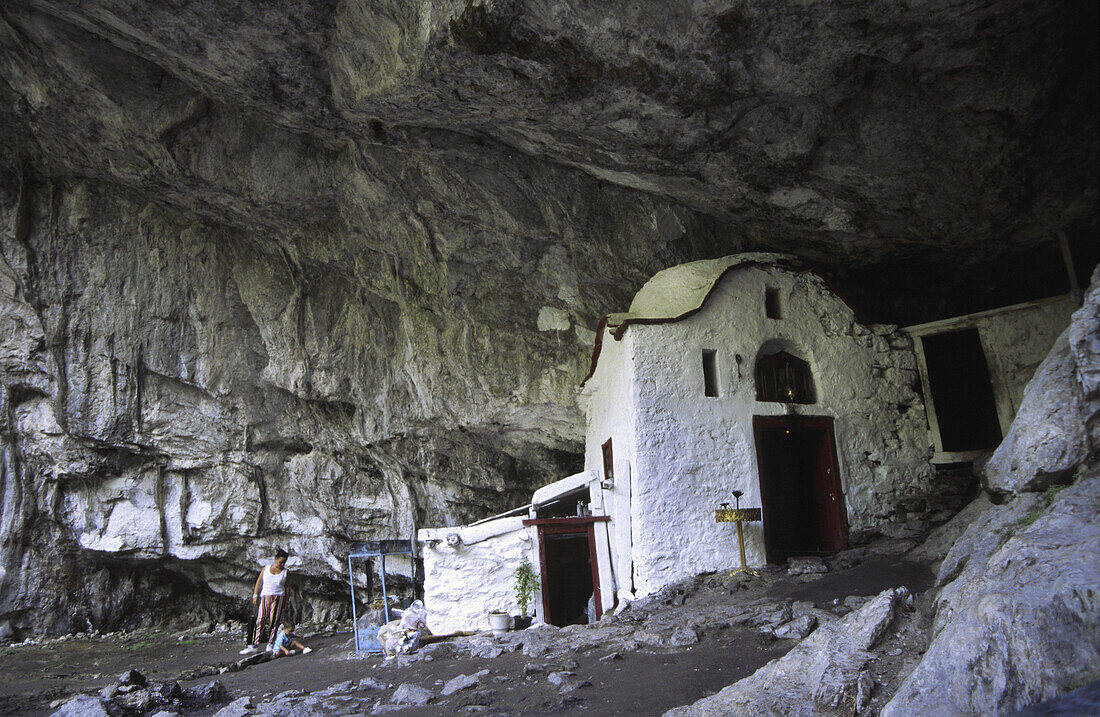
(287, 643)
(269, 597)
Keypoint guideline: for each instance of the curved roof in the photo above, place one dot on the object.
(680, 291)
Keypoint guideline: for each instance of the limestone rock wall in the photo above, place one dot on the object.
(180, 397)
(830, 126)
(1016, 617)
(1058, 426)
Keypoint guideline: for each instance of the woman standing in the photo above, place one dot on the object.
(269, 596)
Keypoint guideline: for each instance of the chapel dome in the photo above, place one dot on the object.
(681, 289)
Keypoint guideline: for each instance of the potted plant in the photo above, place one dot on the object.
(526, 583)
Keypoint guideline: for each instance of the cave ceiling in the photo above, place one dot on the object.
(857, 134)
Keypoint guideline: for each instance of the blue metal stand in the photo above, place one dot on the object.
(376, 549)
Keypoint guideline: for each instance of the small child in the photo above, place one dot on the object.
(287, 642)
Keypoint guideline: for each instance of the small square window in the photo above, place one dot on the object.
(772, 307)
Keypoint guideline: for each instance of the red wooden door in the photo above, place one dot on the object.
(551, 528)
(834, 515)
(804, 509)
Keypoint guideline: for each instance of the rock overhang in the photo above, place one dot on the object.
(840, 133)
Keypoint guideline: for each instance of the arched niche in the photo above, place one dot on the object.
(783, 377)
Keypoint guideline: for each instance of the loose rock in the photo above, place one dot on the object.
(409, 694)
(820, 674)
(806, 566)
(237, 708)
(461, 682)
(132, 677)
(799, 627)
(81, 706)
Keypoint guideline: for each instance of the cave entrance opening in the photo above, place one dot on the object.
(962, 393)
(803, 505)
(569, 569)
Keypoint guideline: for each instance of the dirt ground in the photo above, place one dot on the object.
(641, 683)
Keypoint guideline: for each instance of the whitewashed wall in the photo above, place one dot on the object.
(463, 583)
(1017, 341)
(612, 416)
(691, 452)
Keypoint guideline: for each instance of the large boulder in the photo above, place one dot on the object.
(1084, 340)
(1048, 439)
(1019, 620)
(1050, 435)
(81, 706)
(822, 675)
(940, 541)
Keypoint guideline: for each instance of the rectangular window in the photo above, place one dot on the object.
(608, 462)
(962, 393)
(710, 373)
(771, 303)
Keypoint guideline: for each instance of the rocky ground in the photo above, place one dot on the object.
(677, 647)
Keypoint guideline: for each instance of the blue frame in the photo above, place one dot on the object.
(376, 549)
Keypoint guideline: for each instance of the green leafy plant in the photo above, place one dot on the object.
(527, 582)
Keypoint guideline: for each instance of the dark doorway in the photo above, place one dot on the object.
(962, 394)
(570, 576)
(803, 505)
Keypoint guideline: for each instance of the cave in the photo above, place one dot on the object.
(306, 274)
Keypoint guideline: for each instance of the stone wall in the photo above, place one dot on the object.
(1016, 342)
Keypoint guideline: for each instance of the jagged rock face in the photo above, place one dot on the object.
(1016, 616)
(273, 272)
(1016, 621)
(179, 392)
(1058, 425)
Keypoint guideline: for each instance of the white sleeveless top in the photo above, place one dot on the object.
(273, 584)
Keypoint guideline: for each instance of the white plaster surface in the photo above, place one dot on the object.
(609, 399)
(679, 289)
(563, 486)
(464, 582)
(687, 452)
